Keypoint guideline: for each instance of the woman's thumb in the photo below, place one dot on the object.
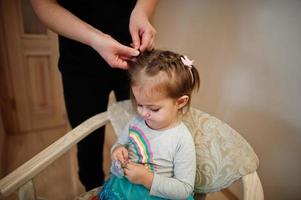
(128, 52)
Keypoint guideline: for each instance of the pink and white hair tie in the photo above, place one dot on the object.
(188, 63)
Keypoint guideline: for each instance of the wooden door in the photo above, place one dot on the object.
(31, 92)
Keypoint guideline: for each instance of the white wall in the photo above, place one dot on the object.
(249, 56)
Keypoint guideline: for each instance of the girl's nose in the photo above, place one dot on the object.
(144, 112)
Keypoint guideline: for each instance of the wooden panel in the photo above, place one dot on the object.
(9, 14)
(39, 84)
(31, 23)
(42, 92)
(7, 102)
(35, 86)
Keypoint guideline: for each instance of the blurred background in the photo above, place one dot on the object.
(248, 54)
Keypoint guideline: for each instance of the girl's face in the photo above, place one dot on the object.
(158, 111)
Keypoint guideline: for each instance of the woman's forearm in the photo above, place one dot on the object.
(147, 6)
(63, 22)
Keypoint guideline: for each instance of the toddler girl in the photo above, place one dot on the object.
(154, 157)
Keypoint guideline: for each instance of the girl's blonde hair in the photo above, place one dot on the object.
(175, 78)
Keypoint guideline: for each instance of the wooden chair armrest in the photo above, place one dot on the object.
(252, 188)
(35, 165)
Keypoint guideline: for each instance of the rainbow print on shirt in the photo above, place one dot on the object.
(141, 146)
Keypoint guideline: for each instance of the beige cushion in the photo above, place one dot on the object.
(223, 156)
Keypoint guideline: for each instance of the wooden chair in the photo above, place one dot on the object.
(207, 131)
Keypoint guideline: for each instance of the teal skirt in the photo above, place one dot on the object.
(121, 189)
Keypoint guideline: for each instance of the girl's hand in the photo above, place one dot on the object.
(138, 174)
(120, 153)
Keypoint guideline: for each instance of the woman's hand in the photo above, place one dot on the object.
(113, 52)
(142, 32)
(138, 174)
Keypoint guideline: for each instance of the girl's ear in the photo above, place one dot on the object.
(182, 101)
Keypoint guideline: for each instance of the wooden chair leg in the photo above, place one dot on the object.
(27, 191)
(252, 188)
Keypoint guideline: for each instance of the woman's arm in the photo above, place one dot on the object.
(63, 22)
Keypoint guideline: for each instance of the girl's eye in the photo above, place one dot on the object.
(155, 110)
